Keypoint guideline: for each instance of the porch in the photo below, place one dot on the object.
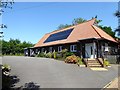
(95, 51)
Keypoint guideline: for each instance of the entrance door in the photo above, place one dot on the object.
(90, 50)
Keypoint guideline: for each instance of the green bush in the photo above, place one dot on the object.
(49, 55)
(69, 54)
(54, 55)
(79, 62)
(6, 67)
(45, 53)
(106, 63)
(6, 80)
(41, 55)
(59, 55)
(64, 51)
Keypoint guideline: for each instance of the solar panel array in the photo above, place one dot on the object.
(58, 36)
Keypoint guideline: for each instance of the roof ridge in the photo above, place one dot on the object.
(96, 31)
(72, 26)
(102, 30)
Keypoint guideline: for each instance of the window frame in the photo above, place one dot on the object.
(59, 48)
(42, 50)
(50, 49)
(72, 48)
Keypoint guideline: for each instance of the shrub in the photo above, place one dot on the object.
(64, 51)
(41, 55)
(8, 81)
(59, 55)
(79, 62)
(71, 59)
(6, 69)
(49, 55)
(106, 63)
(69, 54)
(54, 55)
(6, 66)
(45, 53)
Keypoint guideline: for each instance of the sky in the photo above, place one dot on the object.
(29, 21)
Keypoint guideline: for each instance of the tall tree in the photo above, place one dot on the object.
(4, 4)
(108, 30)
(117, 14)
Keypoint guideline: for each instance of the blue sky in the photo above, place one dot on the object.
(30, 21)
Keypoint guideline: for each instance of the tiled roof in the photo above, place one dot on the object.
(81, 31)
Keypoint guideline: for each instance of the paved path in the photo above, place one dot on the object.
(113, 84)
(49, 73)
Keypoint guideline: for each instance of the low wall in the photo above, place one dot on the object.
(112, 58)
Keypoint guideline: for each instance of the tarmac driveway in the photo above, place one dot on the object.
(50, 73)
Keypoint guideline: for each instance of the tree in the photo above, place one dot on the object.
(4, 4)
(78, 21)
(74, 22)
(14, 46)
(108, 30)
(117, 14)
(62, 26)
(118, 31)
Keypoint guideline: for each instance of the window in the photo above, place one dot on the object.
(73, 48)
(106, 47)
(42, 50)
(59, 48)
(91, 50)
(36, 50)
(58, 36)
(50, 49)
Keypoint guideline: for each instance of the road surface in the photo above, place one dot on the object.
(50, 73)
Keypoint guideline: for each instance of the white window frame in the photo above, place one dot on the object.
(59, 48)
(72, 48)
(50, 49)
(106, 47)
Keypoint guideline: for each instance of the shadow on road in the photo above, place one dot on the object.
(31, 86)
(28, 86)
(8, 82)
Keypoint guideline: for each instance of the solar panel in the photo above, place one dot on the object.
(58, 36)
